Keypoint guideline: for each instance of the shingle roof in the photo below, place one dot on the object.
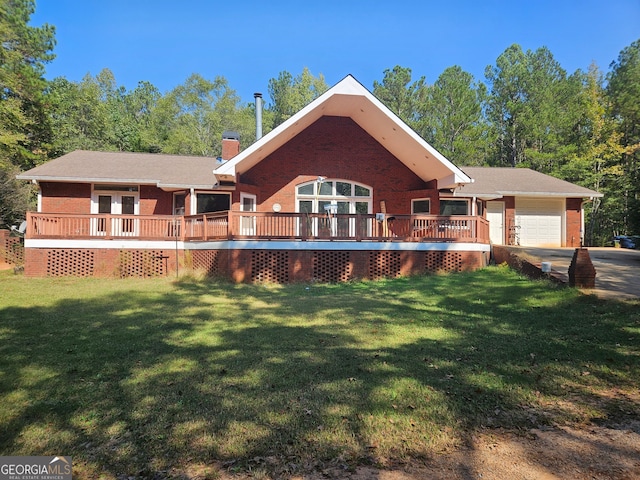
(496, 182)
(164, 171)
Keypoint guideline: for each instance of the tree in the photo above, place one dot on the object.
(24, 52)
(526, 107)
(595, 163)
(451, 117)
(191, 118)
(78, 115)
(289, 95)
(24, 130)
(400, 95)
(623, 90)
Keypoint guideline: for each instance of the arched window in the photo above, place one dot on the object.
(333, 195)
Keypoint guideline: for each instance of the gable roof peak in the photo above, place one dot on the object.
(349, 98)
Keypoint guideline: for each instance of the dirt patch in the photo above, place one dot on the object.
(579, 453)
(559, 453)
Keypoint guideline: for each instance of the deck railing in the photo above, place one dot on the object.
(233, 225)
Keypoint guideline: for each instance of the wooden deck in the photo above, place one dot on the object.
(233, 225)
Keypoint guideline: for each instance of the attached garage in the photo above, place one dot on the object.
(528, 208)
(540, 221)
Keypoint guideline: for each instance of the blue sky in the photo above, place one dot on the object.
(250, 42)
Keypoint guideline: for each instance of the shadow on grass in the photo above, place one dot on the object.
(297, 378)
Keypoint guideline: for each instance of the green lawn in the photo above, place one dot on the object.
(134, 377)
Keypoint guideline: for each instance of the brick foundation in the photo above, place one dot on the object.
(250, 266)
(80, 262)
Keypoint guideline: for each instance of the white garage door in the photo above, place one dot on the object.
(540, 221)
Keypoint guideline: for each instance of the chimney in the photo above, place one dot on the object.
(258, 97)
(230, 145)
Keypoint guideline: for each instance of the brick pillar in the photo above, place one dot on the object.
(582, 273)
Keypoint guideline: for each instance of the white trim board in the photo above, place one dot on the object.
(260, 245)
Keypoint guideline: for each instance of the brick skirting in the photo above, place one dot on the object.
(250, 266)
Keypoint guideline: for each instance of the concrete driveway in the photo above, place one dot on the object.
(617, 269)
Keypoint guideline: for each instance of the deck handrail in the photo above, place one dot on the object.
(234, 225)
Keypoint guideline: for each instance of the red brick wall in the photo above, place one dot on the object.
(66, 197)
(154, 201)
(573, 222)
(76, 198)
(336, 147)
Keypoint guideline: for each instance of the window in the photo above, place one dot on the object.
(115, 188)
(347, 197)
(334, 197)
(421, 205)
(454, 207)
(213, 202)
(179, 203)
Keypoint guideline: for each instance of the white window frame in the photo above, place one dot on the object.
(209, 192)
(457, 199)
(316, 197)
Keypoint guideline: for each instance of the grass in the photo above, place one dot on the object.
(163, 376)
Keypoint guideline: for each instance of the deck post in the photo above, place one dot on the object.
(231, 224)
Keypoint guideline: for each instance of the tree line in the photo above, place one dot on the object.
(583, 127)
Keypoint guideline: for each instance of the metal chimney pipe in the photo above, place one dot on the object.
(258, 97)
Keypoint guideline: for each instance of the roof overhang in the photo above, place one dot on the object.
(350, 99)
(116, 181)
(506, 193)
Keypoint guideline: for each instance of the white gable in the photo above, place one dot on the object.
(349, 98)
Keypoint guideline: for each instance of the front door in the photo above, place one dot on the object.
(495, 217)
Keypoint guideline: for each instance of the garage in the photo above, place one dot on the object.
(540, 221)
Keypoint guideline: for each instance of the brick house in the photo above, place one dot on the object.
(341, 190)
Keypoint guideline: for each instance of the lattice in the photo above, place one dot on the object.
(142, 263)
(207, 260)
(384, 264)
(332, 266)
(270, 266)
(443, 262)
(70, 262)
(12, 250)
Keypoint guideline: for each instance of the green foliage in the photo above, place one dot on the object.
(527, 107)
(451, 117)
(191, 118)
(24, 127)
(400, 95)
(289, 95)
(15, 196)
(25, 50)
(624, 93)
